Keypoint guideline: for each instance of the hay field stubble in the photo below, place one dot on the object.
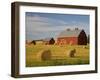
(59, 55)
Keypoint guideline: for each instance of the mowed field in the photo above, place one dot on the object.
(58, 55)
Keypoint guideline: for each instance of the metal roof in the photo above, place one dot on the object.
(70, 33)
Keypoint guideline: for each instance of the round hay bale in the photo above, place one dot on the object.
(43, 55)
(46, 55)
(85, 47)
(71, 53)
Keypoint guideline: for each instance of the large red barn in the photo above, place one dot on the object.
(72, 37)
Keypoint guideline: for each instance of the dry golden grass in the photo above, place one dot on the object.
(59, 55)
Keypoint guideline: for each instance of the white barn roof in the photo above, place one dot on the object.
(70, 33)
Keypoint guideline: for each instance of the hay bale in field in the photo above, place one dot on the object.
(44, 55)
(85, 47)
(71, 53)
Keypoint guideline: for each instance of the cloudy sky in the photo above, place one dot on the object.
(45, 25)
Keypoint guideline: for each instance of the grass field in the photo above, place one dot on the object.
(58, 55)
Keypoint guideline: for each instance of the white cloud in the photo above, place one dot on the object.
(38, 23)
(40, 27)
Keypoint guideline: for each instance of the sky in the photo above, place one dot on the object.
(46, 25)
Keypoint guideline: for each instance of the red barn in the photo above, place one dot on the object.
(72, 37)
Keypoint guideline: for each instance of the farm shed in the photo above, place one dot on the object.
(48, 41)
(33, 42)
(39, 41)
(43, 41)
(30, 42)
(72, 37)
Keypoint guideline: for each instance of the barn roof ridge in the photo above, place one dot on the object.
(70, 32)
